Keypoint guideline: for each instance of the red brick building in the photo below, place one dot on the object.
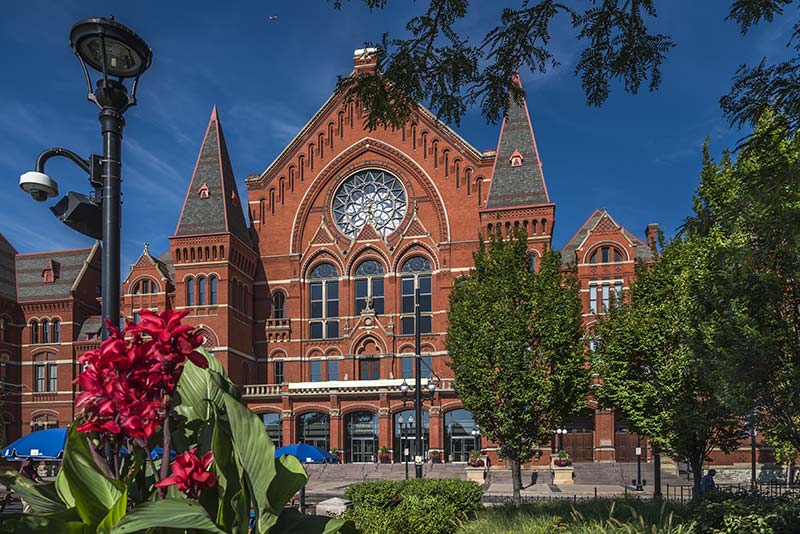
(310, 303)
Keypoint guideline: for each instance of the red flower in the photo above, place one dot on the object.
(191, 473)
(128, 380)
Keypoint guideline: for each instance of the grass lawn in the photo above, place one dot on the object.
(585, 517)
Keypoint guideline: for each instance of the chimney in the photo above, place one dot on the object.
(365, 60)
(651, 235)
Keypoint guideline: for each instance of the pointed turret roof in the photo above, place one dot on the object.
(212, 202)
(520, 182)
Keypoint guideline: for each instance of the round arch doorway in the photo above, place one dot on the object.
(405, 438)
(361, 437)
(313, 428)
(458, 439)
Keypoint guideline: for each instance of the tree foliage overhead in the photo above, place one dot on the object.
(515, 345)
(438, 64)
(654, 372)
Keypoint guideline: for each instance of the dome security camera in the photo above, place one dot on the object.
(39, 185)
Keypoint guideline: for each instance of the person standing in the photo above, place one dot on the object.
(707, 484)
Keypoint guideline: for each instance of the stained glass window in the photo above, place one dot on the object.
(369, 196)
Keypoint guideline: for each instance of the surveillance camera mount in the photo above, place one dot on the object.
(93, 165)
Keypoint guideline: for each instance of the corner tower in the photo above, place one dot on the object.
(214, 258)
(518, 195)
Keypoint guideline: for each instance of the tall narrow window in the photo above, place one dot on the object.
(333, 370)
(190, 292)
(370, 368)
(593, 299)
(532, 261)
(617, 293)
(369, 286)
(3, 329)
(606, 297)
(278, 305)
(416, 274)
(39, 371)
(45, 331)
(34, 326)
(408, 367)
(324, 300)
(277, 372)
(52, 377)
(201, 291)
(315, 370)
(56, 331)
(212, 288)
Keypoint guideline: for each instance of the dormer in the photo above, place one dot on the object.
(51, 272)
(203, 191)
(516, 159)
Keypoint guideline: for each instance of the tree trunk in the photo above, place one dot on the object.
(516, 481)
(697, 474)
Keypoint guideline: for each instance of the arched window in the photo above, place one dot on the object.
(212, 290)
(324, 300)
(605, 254)
(45, 331)
(278, 305)
(201, 291)
(416, 274)
(532, 261)
(56, 331)
(3, 329)
(190, 291)
(273, 424)
(459, 439)
(43, 422)
(369, 286)
(361, 437)
(314, 429)
(34, 326)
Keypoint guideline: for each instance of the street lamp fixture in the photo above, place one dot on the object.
(118, 54)
(560, 432)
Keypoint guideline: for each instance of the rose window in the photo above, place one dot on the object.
(369, 196)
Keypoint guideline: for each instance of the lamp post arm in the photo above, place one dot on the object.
(50, 153)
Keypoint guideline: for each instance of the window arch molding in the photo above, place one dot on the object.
(322, 256)
(414, 249)
(369, 285)
(137, 285)
(277, 300)
(613, 245)
(365, 252)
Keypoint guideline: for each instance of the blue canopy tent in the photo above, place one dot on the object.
(40, 445)
(306, 453)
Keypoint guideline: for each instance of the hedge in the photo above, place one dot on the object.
(417, 506)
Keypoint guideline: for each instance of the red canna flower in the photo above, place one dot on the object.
(128, 380)
(191, 473)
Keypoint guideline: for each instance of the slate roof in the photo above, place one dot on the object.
(641, 250)
(523, 185)
(71, 265)
(167, 264)
(221, 211)
(8, 285)
(157, 262)
(92, 325)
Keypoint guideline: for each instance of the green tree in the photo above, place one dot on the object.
(436, 62)
(654, 372)
(515, 344)
(748, 211)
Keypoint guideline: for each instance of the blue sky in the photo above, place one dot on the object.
(637, 156)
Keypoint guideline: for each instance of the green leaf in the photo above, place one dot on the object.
(116, 513)
(233, 509)
(62, 487)
(64, 522)
(289, 478)
(291, 521)
(256, 454)
(168, 513)
(94, 494)
(43, 498)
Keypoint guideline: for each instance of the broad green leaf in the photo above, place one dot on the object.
(94, 493)
(168, 513)
(256, 453)
(199, 388)
(233, 509)
(290, 477)
(43, 498)
(64, 522)
(116, 513)
(291, 522)
(62, 487)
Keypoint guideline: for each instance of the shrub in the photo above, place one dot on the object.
(744, 513)
(417, 506)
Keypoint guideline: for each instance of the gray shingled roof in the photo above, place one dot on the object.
(522, 185)
(29, 267)
(167, 265)
(642, 251)
(219, 212)
(568, 252)
(8, 285)
(91, 325)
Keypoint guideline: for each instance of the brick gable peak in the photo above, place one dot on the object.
(517, 178)
(212, 202)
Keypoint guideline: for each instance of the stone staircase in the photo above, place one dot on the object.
(352, 473)
(621, 474)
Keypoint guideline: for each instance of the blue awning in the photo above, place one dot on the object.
(40, 445)
(306, 453)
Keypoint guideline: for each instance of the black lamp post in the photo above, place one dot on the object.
(403, 436)
(118, 54)
(639, 486)
(419, 395)
(750, 426)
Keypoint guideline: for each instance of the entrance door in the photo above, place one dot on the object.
(460, 447)
(625, 445)
(363, 450)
